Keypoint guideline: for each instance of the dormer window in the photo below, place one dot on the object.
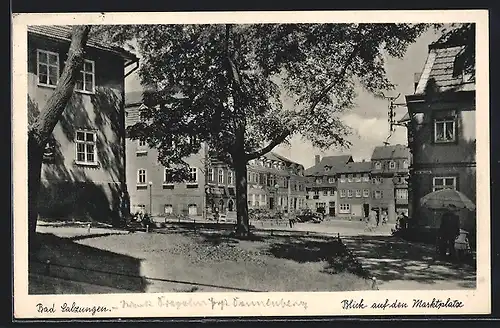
(327, 168)
(392, 165)
(378, 165)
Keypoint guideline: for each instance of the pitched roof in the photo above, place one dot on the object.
(439, 70)
(388, 152)
(63, 32)
(356, 167)
(333, 162)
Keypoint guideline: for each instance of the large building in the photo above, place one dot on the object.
(322, 183)
(354, 190)
(83, 172)
(441, 132)
(389, 173)
(273, 181)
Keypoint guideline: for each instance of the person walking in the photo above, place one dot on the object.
(384, 217)
(372, 220)
(449, 230)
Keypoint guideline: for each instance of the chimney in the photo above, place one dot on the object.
(316, 159)
(416, 79)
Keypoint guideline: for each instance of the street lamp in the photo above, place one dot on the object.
(151, 198)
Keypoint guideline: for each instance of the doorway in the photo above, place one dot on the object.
(366, 210)
(230, 205)
(271, 203)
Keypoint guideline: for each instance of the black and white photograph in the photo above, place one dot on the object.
(192, 159)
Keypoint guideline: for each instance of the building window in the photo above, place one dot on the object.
(439, 183)
(378, 165)
(366, 178)
(85, 81)
(168, 209)
(405, 164)
(167, 176)
(358, 193)
(316, 192)
(377, 194)
(342, 178)
(345, 208)
(193, 175)
(444, 130)
(86, 150)
(349, 178)
(342, 193)
(192, 209)
(141, 143)
(402, 193)
(349, 193)
(331, 180)
(358, 178)
(230, 177)
(392, 165)
(253, 200)
(318, 180)
(47, 68)
(141, 176)
(366, 193)
(211, 176)
(325, 192)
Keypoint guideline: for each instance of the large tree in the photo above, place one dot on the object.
(43, 125)
(244, 89)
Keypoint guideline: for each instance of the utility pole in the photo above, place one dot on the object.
(391, 113)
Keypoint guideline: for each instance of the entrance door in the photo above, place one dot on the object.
(192, 209)
(366, 210)
(271, 203)
(230, 205)
(331, 209)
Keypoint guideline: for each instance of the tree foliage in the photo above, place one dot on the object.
(259, 84)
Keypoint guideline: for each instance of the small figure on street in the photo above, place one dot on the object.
(384, 217)
(216, 214)
(372, 220)
(124, 207)
(377, 217)
(449, 230)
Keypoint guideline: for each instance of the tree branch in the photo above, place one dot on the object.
(43, 126)
(287, 132)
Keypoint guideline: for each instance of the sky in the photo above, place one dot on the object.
(368, 119)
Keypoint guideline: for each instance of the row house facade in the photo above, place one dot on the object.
(322, 183)
(273, 181)
(83, 171)
(441, 125)
(354, 190)
(389, 174)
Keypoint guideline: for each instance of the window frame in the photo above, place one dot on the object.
(377, 165)
(358, 193)
(83, 76)
(85, 142)
(366, 193)
(342, 193)
(195, 181)
(38, 51)
(230, 177)
(392, 165)
(444, 120)
(344, 208)
(220, 173)
(165, 182)
(349, 193)
(138, 182)
(455, 180)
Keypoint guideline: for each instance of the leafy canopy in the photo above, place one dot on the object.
(244, 89)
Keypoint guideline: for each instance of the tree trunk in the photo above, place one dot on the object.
(242, 222)
(35, 154)
(42, 128)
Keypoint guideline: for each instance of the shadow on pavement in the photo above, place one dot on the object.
(390, 258)
(63, 258)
